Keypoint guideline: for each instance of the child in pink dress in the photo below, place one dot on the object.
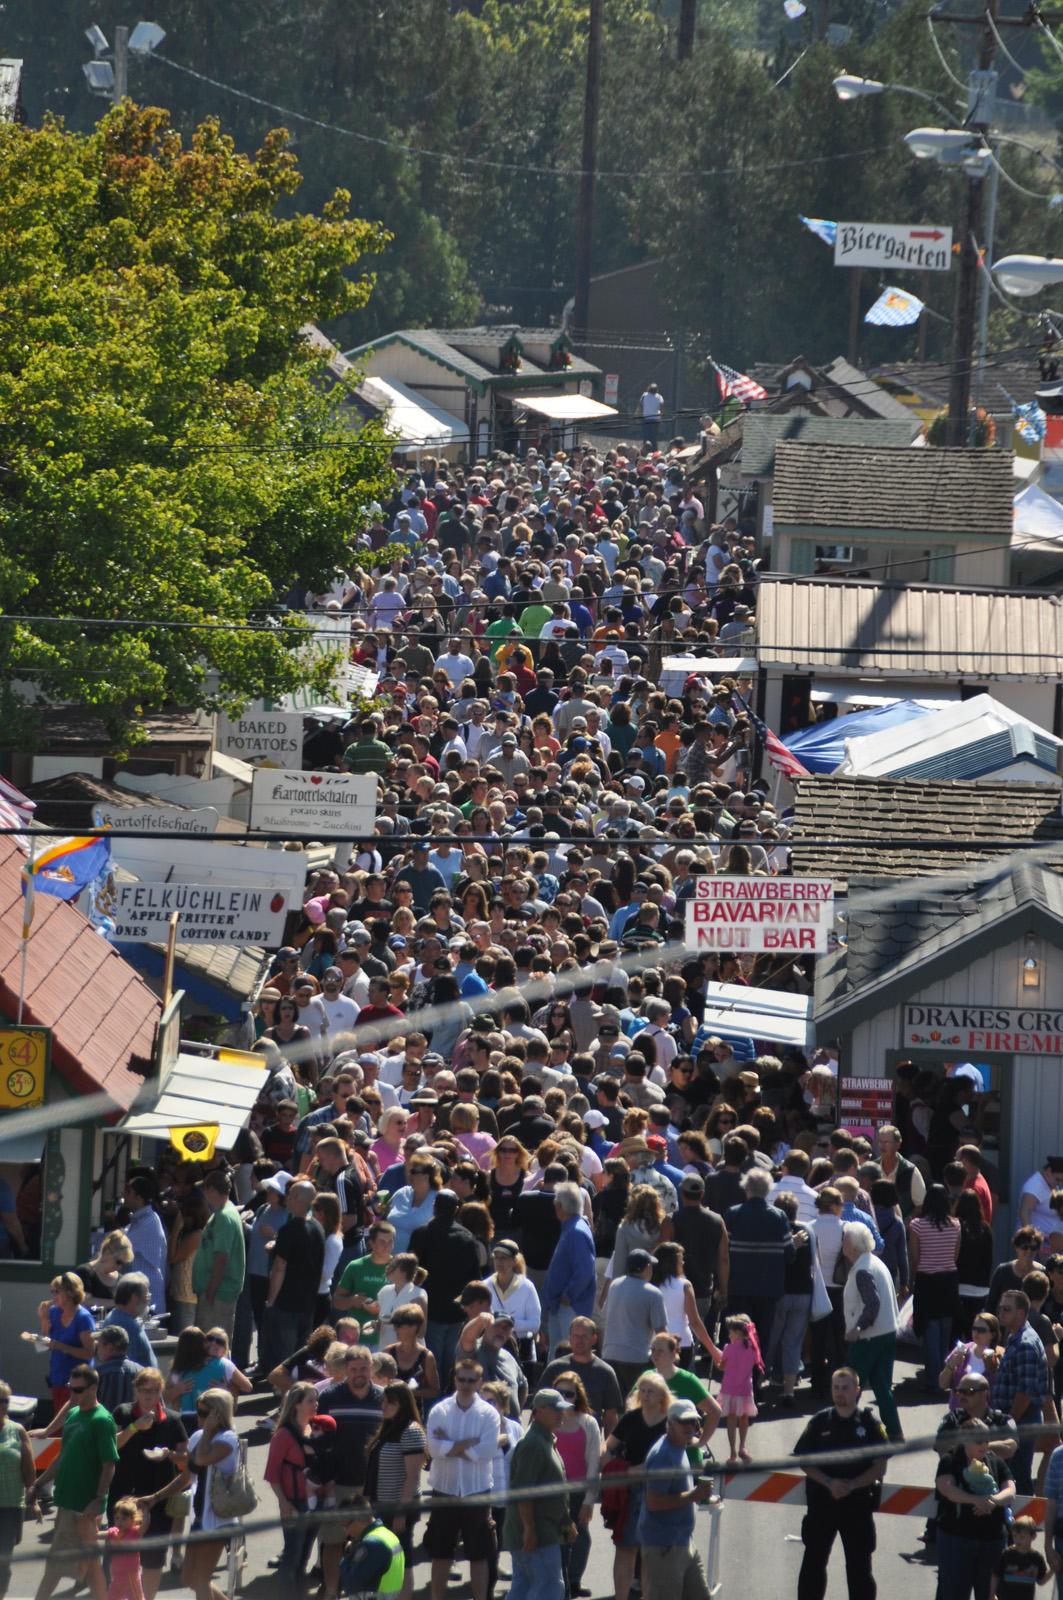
(739, 1358)
(123, 1539)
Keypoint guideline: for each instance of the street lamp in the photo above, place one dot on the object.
(112, 82)
(847, 86)
(1027, 274)
(963, 145)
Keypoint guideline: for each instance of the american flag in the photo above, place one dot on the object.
(735, 385)
(16, 811)
(783, 760)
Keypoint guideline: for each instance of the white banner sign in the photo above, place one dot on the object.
(274, 736)
(732, 913)
(157, 819)
(922, 246)
(208, 913)
(310, 802)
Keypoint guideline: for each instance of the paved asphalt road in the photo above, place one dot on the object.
(772, 1533)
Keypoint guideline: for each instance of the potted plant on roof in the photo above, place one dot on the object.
(512, 358)
(985, 429)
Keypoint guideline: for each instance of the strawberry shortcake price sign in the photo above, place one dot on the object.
(732, 913)
(316, 803)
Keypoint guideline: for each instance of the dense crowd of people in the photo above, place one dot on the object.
(507, 1187)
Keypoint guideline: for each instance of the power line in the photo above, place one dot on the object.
(479, 162)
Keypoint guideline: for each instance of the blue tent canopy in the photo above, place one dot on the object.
(822, 748)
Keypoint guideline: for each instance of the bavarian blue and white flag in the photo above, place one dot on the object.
(1029, 422)
(895, 308)
(827, 231)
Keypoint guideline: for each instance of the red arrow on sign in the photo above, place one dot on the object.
(936, 234)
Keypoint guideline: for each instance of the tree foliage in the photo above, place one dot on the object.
(167, 449)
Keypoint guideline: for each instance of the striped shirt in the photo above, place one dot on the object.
(937, 1246)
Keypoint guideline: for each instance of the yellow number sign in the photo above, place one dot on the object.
(24, 1054)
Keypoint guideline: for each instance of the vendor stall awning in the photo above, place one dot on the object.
(771, 1014)
(201, 1090)
(420, 423)
(565, 407)
(847, 692)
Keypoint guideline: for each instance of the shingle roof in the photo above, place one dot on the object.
(856, 816)
(865, 391)
(921, 491)
(763, 433)
(829, 625)
(900, 939)
(1016, 375)
(103, 1016)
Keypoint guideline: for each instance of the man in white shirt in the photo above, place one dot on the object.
(462, 1440)
(456, 666)
(651, 404)
(355, 981)
(385, 604)
(337, 1011)
(476, 729)
(795, 1168)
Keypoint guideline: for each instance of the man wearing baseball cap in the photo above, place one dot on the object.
(535, 1530)
(634, 1312)
(671, 1566)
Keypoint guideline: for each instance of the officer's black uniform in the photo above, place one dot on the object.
(851, 1517)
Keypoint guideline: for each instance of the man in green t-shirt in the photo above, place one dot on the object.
(218, 1268)
(82, 1471)
(359, 1288)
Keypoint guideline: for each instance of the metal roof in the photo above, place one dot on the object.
(901, 938)
(861, 626)
(203, 1090)
(764, 432)
(964, 491)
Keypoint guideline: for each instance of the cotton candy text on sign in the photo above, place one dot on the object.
(779, 914)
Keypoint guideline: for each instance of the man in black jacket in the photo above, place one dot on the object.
(448, 1253)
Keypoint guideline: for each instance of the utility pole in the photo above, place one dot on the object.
(964, 316)
(121, 64)
(688, 10)
(588, 163)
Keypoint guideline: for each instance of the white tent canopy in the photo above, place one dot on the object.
(733, 1008)
(926, 746)
(1037, 516)
(565, 407)
(420, 423)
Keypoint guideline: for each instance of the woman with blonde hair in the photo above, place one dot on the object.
(100, 1275)
(70, 1329)
(513, 1292)
(213, 1447)
(642, 1424)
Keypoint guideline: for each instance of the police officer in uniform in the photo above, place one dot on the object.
(841, 1497)
(373, 1562)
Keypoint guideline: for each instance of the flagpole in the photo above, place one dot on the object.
(25, 941)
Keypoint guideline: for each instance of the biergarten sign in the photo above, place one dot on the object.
(754, 914)
(923, 247)
(963, 1030)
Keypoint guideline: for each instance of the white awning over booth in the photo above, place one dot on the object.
(732, 1008)
(565, 407)
(419, 422)
(201, 1089)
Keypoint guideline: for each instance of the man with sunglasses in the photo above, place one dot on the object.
(82, 1471)
(462, 1441)
(973, 1393)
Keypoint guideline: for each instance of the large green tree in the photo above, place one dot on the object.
(170, 459)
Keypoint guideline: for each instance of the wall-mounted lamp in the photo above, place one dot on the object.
(1031, 963)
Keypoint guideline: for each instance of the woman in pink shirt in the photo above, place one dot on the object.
(392, 1128)
(465, 1126)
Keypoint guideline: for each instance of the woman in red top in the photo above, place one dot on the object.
(286, 1475)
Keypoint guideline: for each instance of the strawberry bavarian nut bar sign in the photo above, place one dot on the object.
(960, 1030)
(731, 913)
(304, 802)
(208, 913)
